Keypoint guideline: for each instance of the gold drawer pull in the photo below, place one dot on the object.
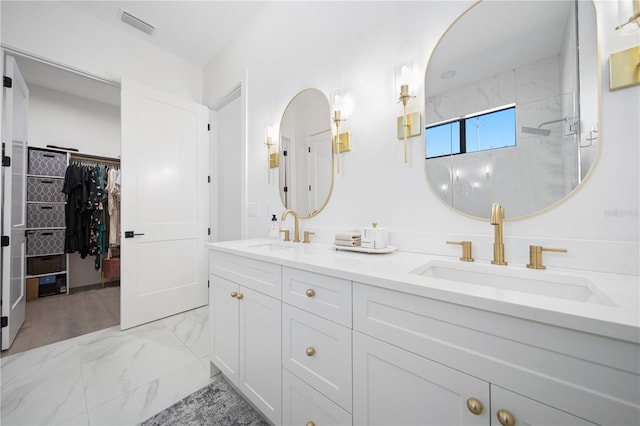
(505, 418)
(310, 423)
(311, 292)
(239, 296)
(474, 406)
(310, 351)
(234, 294)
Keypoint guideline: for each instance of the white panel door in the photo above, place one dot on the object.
(319, 154)
(165, 204)
(14, 137)
(229, 171)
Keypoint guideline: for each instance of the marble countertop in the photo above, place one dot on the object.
(613, 312)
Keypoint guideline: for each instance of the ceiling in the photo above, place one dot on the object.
(194, 30)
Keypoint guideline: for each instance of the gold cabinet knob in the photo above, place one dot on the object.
(234, 294)
(239, 296)
(474, 406)
(310, 292)
(310, 423)
(505, 417)
(310, 351)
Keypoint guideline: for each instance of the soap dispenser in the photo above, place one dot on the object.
(274, 229)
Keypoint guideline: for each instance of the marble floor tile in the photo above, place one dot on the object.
(134, 360)
(192, 328)
(108, 376)
(153, 397)
(47, 392)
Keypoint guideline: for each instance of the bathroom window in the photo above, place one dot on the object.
(478, 132)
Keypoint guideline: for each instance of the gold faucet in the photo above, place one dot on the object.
(497, 216)
(296, 226)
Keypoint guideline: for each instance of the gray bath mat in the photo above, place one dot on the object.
(216, 404)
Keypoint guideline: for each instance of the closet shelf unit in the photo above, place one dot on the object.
(46, 260)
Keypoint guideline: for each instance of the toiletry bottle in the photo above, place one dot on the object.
(274, 231)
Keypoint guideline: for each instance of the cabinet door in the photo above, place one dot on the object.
(260, 348)
(516, 409)
(392, 386)
(223, 319)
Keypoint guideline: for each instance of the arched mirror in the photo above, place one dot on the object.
(512, 105)
(306, 154)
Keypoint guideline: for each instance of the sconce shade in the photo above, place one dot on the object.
(407, 79)
(341, 101)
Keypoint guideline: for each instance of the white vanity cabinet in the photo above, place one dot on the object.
(316, 348)
(424, 359)
(246, 333)
(309, 343)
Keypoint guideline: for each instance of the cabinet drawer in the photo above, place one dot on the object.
(257, 275)
(302, 404)
(326, 296)
(47, 163)
(318, 351)
(45, 215)
(45, 189)
(45, 242)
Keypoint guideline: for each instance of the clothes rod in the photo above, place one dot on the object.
(94, 158)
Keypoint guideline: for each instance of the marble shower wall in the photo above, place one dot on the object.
(536, 172)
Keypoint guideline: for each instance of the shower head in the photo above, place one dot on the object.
(536, 131)
(539, 131)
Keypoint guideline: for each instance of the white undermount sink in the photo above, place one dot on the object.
(273, 246)
(541, 282)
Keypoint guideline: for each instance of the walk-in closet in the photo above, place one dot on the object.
(72, 205)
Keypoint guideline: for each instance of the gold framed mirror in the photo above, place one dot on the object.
(512, 106)
(306, 153)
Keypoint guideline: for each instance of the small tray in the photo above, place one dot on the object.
(387, 249)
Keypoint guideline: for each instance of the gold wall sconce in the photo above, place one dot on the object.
(630, 8)
(341, 106)
(272, 158)
(409, 125)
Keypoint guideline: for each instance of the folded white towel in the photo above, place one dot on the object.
(348, 236)
(348, 243)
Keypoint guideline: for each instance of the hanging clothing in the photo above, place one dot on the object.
(113, 189)
(88, 210)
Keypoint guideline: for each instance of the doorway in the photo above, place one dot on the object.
(229, 169)
(65, 110)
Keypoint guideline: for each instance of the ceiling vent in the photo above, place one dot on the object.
(137, 23)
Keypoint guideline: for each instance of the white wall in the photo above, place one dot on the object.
(57, 118)
(60, 33)
(355, 45)
(92, 127)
